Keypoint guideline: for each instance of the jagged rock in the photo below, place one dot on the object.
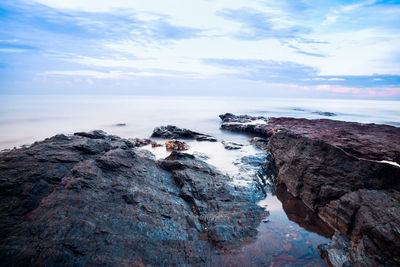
(94, 199)
(173, 144)
(242, 123)
(365, 141)
(174, 132)
(370, 219)
(339, 169)
(319, 172)
(206, 190)
(231, 145)
(96, 134)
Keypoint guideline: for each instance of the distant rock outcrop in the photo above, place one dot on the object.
(174, 132)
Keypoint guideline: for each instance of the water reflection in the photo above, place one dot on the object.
(299, 213)
(289, 236)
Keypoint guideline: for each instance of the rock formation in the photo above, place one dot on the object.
(95, 199)
(174, 132)
(347, 172)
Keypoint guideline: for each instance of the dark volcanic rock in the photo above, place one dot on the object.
(242, 123)
(366, 141)
(371, 219)
(174, 132)
(93, 199)
(319, 172)
(334, 168)
(206, 190)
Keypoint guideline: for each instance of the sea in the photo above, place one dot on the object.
(287, 236)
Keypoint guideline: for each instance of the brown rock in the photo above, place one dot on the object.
(176, 145)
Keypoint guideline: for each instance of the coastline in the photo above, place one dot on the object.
(334, 171)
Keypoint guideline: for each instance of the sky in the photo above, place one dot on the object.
(297, 48)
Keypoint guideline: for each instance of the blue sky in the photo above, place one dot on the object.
(303, 48)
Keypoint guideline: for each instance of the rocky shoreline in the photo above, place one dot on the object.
(98, 199)
(346, 172)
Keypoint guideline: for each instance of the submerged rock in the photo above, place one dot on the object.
(324, 113)
(231, 145)
(340, 170)
(94, 199)
(174, 132)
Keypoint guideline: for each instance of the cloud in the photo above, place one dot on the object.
(258, 25)
(92, 25)
(266, 70)
(290, 72)
(116, 74)
(310, 53)
(13, 46)
(296, 44)
(358, 81)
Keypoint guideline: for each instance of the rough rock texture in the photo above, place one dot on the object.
(94, 199)
(171, 131)
(334, 168)
(371, 220)
(319, 172)
(226, 213)
(367, 141)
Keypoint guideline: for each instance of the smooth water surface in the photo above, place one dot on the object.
(25, 119)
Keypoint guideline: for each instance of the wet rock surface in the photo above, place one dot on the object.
(95, 199)
(174, 132)
(334, 168)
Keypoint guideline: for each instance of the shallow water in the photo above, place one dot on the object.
(290, 234)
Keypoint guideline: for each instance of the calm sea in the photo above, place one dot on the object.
(25, 119)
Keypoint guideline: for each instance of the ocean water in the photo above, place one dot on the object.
(289, 235)
(25, 119)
